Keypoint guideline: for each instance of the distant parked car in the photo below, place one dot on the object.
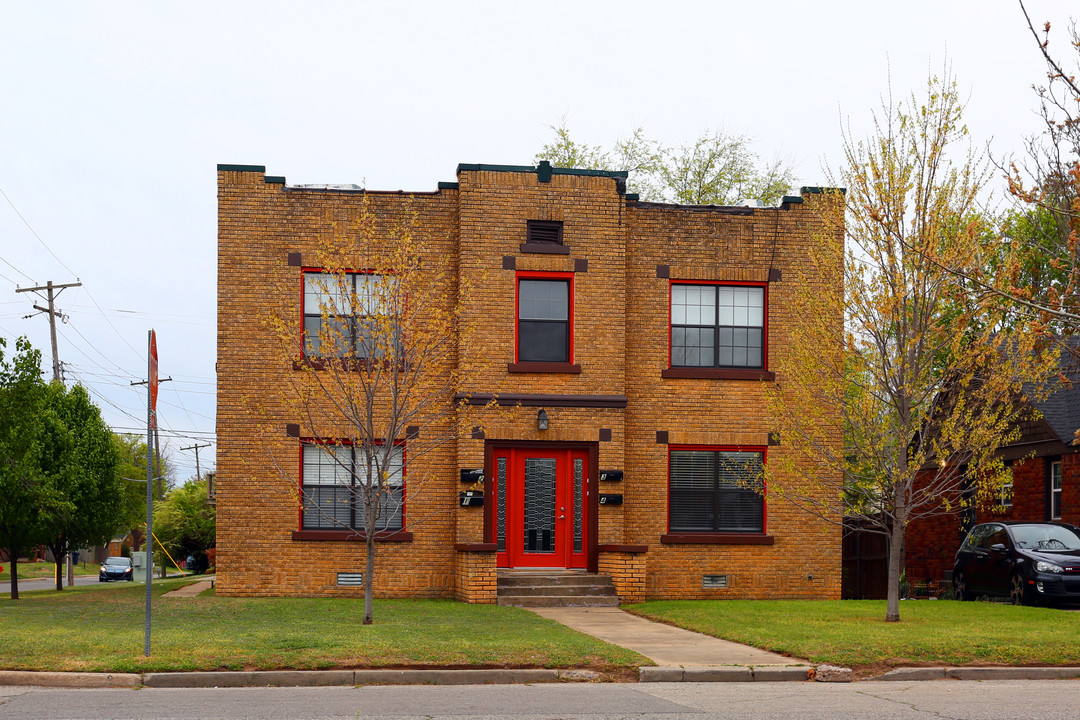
(116, 568)
(1027, 562)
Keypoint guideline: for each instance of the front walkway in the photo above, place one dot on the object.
(663, 644)
(192, 590)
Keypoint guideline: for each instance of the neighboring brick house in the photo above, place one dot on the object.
(646, 334)
(1044, 463)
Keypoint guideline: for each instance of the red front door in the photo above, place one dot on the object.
(541, 506)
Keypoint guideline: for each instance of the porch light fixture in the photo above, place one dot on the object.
(541, 420)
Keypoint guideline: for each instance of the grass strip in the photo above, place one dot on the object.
(100, 629)
(853, 633)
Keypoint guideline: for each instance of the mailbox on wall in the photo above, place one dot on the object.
(471, 498)
(611, 475)
(611, 498)
(472, 476)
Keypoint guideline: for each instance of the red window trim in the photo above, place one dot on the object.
(762, 373)
(545, 275)
(727, 538)
(380, 535)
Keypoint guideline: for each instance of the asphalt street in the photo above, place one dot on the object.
(960, 700)
(45, 583)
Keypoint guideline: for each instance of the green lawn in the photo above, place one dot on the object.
(101, 629)
(34, 571)
(853, 633)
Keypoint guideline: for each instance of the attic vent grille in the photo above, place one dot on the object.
(712, 582)
(544, 231)
(350, 579)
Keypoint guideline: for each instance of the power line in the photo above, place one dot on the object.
(16, 270)
(34, 232)
(88, 293)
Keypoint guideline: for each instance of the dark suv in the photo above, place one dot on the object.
(1028, 562)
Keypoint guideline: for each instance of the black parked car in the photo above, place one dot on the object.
(1028, 562)
(116, 568)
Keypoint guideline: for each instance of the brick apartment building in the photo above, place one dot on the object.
(644, 334)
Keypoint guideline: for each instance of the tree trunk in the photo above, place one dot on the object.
(59, 562)
(14, 552)
(369, 579)
(896, 556)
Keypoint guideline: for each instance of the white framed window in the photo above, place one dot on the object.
(1055, 490)
(1005, 492)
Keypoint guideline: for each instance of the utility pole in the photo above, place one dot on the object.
(195, 447)
(51, 291)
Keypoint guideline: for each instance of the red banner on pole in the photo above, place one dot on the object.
(153, 379)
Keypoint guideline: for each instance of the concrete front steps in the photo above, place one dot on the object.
(555, 588)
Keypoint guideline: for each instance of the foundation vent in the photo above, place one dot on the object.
(714, 582)
(350, 579)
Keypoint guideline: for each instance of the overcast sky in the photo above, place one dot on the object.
(114, 115)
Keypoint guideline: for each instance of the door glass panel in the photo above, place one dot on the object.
(539, 529)
(579, 476)
(500, 504)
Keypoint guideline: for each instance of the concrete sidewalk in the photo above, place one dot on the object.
(193, 589)
(679, 654)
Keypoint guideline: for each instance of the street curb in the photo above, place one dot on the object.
(1012, 673)
(728, 673)
(313, 678)
(69, 679)
(923, 673)
(662, 673)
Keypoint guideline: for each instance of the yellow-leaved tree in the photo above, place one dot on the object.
(927, 377)
(375, 353)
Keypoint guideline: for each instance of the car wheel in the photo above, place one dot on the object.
(960, 586)
(1017, 591)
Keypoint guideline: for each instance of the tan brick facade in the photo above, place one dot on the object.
(616, 400)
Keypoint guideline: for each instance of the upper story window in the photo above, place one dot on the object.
(717, 326)
(333, 480)
(1055, 490)
(716, 491)
(545, 318)
(1005, 493)
(345, 314)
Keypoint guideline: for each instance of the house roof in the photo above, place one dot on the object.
(1061, 409)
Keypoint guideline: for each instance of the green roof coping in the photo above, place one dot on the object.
(633, 196)
(275, 179)
(448, 185)
(813, 190)
(791, 199)
(480, 167)
(241, 168)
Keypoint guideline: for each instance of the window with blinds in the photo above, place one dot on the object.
(716, 491)
(333, 482)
